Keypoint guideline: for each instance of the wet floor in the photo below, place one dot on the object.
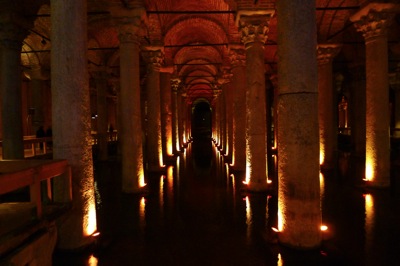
(196, 213)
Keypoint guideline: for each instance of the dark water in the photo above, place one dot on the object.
(197, 214)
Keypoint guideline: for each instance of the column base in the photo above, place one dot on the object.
(377, 184)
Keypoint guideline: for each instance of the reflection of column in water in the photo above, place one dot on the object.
(142, 211)
(161, 195)
(92, 261)
(280, 261)
(369, 224)
(249, 220)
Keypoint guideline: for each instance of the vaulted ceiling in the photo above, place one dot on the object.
(197, 35)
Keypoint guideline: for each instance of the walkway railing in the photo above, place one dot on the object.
(17, 174)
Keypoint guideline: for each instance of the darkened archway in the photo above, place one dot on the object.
(201, 120)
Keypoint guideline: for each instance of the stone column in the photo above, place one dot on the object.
(37, 79)
(373, 21)
(254, 29)
(130, 133)
(154, 57)
(175, 119)
(299, 210)
(11, 37)
(166, 116)
(100, 77)
(327, 106)
(72, 121)
(237, 56)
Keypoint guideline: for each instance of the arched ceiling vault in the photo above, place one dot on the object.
(195, 34)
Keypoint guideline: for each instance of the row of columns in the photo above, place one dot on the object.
(297, 127)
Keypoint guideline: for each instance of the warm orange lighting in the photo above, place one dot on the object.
(89, 219)
(141, 180)
(275, 229)
(269, 181)
(280, 261)
(321, 153)
(321, 186)
(324, 228)
(369, 172)
(92, 261)
(169, 147)
(160, 158)
(95, 234)
(280, 217)
(249, 218)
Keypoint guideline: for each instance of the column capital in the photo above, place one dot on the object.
(225, 75)
(237, 55)
(254, 25)
(374, 19)
(154, 57)
(175, 83)
(326, 52)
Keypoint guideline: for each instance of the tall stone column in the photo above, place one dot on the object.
(130, 132)
(11, 37)
(175, 119)
(373, 21)
(154, 57)
(327, 106)
(37, 79)
(72, 121)
(237, 55)
(100, 77)
(254, 29)
(166, 116)
(299, 206)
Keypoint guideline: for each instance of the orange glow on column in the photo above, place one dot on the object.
(321, 153)
(249, 218)
(89, 220)
(141, 179)
(280, 217)
(169, 147)
(369, 168)
(160, 158)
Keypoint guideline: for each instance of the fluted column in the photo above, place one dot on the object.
(373, 21)
(237, 56)
(327, 106)
(175, 119)
(254, 29)
(299, 207)
(72, 121)
(154, 57)
(130, 132)
(100, 77)
(11, 37)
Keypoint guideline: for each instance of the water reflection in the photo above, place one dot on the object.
(196, 213)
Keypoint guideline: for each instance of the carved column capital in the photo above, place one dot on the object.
(237, 55)
(224, 76)
(175, 83)
(326, 52)
(374, 19)
(254, 26)
(154, 57)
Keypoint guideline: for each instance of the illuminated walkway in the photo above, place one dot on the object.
(196, 214)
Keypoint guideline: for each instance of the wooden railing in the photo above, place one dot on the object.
(17, 174)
